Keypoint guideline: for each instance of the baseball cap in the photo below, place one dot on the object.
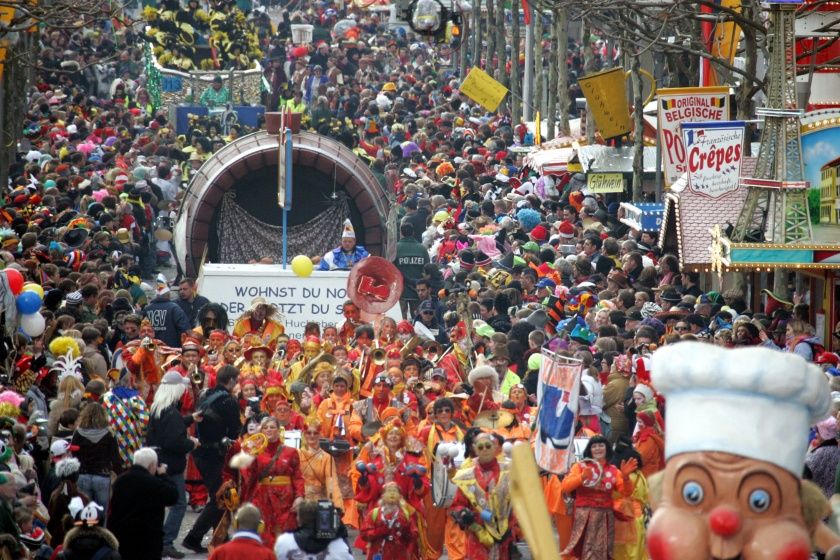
(426, 305)
(546, 283)
(61, 447)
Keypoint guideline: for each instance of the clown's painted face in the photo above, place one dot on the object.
(391, 494)
(720, 505)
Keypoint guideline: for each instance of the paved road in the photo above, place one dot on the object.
(191, 517)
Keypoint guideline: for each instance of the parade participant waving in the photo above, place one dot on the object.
(272, 481)
(345, 255)
(482, 505)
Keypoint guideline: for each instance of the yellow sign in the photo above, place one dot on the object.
(483, 89)
(606, 94)
(605, 182)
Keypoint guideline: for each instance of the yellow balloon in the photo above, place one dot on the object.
(32, 287)
(302, 266)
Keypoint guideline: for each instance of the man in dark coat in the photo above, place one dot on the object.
(139, 499)
(411, 259)
(167, 318)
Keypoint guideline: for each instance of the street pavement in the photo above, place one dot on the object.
(190, 518)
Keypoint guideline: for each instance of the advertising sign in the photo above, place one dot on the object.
(605, 182)
(680, 105)
(714, 152)
(319, 297)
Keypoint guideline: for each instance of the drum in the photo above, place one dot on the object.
(448, 458)
(293, 438)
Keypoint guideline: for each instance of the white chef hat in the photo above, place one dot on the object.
(754, 402)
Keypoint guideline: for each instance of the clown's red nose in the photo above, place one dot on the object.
(724, 521)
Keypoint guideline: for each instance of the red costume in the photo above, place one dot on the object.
(390, 532)
(272, 483)
(242, 547)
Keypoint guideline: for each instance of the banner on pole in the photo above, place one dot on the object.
(714, 152)
(681, 105)
(606, 95)
(557, 393)
(483, 89)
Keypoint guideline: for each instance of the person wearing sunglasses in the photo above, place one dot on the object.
(482, 506)
(441, 528)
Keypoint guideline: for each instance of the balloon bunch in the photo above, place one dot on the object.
(28, 298)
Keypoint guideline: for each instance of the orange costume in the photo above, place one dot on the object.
(334, 414)
(319, 476)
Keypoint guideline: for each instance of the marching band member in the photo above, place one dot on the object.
(387, 332)
(352, 320)
(311, 347)
(442, 530)
(318, 467)
(456, 363)
(485, 383)
(261, 319)
(371, 408)
(334, 414)
(257, 359)
(482, 504)
(272, 481)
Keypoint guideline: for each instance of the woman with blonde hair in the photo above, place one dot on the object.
(70, 392)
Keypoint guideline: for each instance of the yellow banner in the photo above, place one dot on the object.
(606, 94)
(483, 89)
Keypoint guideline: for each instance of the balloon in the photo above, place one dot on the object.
(33, 324)
(302, 266)
(33, 287)
(28, 302)
(15, 280)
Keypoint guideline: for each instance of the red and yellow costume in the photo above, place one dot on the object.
(390, 530)
(272, 483)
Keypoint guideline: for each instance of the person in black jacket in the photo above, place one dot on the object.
(140, 497)
(167, 433)
(221, 423)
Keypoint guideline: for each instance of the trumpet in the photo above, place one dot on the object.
(195, 375)
(378, 356)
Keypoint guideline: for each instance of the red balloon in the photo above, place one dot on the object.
(15, 280)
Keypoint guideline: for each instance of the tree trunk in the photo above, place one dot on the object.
(16, 78)
(516, 104)
(638, 120)
(476, 28)
(538, 63)
(551, 111)
(499, 31)
(588, 68)
(490, 22)
(561, 24)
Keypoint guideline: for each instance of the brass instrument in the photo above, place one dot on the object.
(195, 375)
(305, 375)
(379, 356)
(255, 444)
(409, 347)
(439, 358)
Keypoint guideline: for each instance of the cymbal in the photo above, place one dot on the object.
(371, 428)
(493, 419)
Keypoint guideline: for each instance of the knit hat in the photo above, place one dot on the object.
(347, 230)
(644, 390)
(752, 399)
(74, 298)
(827, 429)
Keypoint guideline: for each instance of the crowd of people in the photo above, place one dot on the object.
(137, 400)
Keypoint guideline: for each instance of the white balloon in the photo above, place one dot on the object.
(33, 324)
(507, 448)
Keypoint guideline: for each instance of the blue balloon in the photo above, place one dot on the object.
(28, 302)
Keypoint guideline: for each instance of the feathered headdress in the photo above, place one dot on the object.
(68, 360)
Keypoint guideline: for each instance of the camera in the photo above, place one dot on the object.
(328, 521)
